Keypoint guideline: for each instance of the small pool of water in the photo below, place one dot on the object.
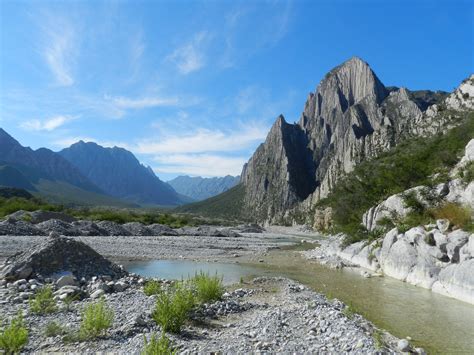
(183, 269)
(439, 324)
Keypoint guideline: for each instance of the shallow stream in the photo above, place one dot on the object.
(434, 322)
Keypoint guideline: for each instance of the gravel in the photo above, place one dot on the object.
(270, 315)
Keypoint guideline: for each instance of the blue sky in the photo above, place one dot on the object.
(192, 87)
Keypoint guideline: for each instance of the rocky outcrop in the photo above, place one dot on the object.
(59, 256)
(350, 117)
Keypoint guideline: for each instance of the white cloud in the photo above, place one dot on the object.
(200, 164)
(144, 102)
(49, 124)
(59, 48)
(204, 140)
(190, 57)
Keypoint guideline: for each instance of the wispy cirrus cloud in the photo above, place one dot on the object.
(59, 47)
(203, 140)
(143, 102)
(49, 124)
(200, 164)
(190, 56)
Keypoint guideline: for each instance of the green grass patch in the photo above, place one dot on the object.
(13, 336)
(173, 306)
(43, 302)
(158, 345)
(152, 287)
(207, 288)
(96, 319)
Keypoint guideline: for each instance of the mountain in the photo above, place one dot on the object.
(46, 173)
(350, 118)
(119, 173)
(199, 188)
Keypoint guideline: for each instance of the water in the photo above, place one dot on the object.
(436, 323)
(183, 269)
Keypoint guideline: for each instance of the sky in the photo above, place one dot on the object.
(192, 87)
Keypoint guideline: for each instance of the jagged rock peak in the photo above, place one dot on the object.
(344, 86)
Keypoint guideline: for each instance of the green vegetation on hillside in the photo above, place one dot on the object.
(13, 204)
(227, 205)
(414, 162)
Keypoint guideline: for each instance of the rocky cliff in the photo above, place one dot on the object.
(350, 117)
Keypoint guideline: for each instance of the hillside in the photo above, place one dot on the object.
(199, 188)
(118, 172)
(227, 205)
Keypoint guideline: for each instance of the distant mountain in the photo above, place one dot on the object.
(199, 188)
(46, 173)
(119, 173)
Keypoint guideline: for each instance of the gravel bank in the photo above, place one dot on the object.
(268, 315)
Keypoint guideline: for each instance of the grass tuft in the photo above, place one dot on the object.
(53, 329)
(13, 336)
(207, 288)
(43, 302)
(173, 307)
(158, 346)
(152, 287)
(96, 319)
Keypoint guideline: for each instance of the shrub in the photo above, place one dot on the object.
(54, 329)
(173, 307)
(96, 319)
(207, 288)
(43, 302)
(158, 346)
(466, 173)
(152, 287)
(409, 164)
(458, 215)
(14, 336)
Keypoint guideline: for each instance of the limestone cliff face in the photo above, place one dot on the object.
(350, 117)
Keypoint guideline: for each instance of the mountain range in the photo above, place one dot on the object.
(199, 188)
(351, 117)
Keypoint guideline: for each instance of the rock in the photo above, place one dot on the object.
(89, 228)
(66, 280)
(136, 228)
(54, 234)
(97, 294)
(440, 238)
(59, 256)
(18, 227)
(400, 260)
(58, 226)
(120, 286)
(457, 280)
(456, 240)
(403, 345)
(443, 225)
(112, 228)
(161, 229)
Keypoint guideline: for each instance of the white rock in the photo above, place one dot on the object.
(97, 294)
(442, 224)
(403, 345)
(457, 281)
(66, 280)
(400, 260)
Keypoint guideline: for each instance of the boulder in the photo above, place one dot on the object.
(59, 256)
(457, 280)
(389, 239)
(467, 251)
(400, 260)
(66, 280)
(456, 240)
(443, 225)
